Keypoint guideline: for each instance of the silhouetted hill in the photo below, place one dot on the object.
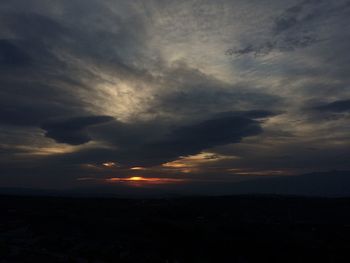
(327, 184)
(334, 183)
(242, 229)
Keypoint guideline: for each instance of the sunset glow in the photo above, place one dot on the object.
(146, 180)
(136, 178)
(153, 92)
(192, 163)
(174, 131)
(109, 164)
(137, 168)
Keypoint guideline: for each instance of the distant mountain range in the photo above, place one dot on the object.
(325, 184)
(333, 183)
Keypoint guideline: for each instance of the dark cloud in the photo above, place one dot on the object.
(35, 36)
(11, 55)
(40, 78)
(288, 43)
(251, 114)
(296, 27)
(29, 25)
(33, 78)
(31, 110)
(194, 94)
(44, 97)
(135, 145)
(206, 98)
(53, 43)
(294, 16)
(73, 130)
(335, 106)
(194, 138)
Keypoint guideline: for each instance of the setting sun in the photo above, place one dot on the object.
(136, 178)
(144, 180)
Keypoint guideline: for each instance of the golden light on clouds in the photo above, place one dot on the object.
(137, 168)
(47, 150)
(187, 170)
(175, 164)
(117, 96)
(187, 164)
(109, 164)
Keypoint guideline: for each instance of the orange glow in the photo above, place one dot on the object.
(187, 171)
(143, 180)
(136, 178)
(192, 161)
(175, 164)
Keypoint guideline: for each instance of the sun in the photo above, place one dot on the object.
(136, 178)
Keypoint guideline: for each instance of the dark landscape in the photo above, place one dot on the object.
(189, 229)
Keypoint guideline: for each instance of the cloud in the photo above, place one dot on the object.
(294, 16)
(193, 94)
(11, 55)
(335, 106)
(73, 130)
(195, 138)
(33, 78)
(251, 114)
(148, 83)
(289, 43)
(296, 27)
(134, 145)
(47, 64)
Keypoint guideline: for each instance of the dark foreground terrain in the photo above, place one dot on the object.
(217, 229)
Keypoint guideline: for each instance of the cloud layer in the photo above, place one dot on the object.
(265, 86)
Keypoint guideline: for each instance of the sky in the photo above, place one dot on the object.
(110, 92)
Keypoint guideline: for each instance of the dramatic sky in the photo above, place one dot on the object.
(168, 92)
